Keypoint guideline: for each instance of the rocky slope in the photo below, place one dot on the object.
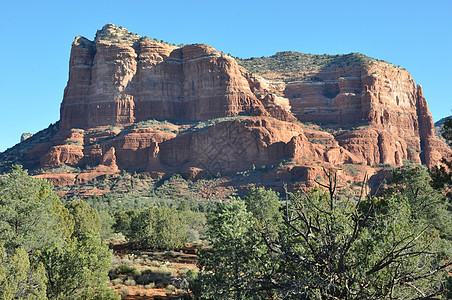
(136, 104)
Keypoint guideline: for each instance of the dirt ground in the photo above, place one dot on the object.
(176, 262)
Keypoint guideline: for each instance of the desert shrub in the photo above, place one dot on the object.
(350, 169)
(102, 293)
(127, 262)
(156, 276)
(192, 274)
(184, 270)
(125, 291)
(150, 286)
(117, 281)
(292, 62)
(144, 279)
(130, 282)
(117, 237)
(166, 271)
(152, 123)
(126, 269)
(160, 270)
(171, 254)
(148, 261)
(155, 263)
(139, 261)
(170, 289)
(202, 125)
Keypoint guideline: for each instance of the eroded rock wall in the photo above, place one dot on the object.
(371, 113)
(119, 83)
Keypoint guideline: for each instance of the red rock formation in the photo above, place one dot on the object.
(373, 94)
(278, 107)
(122, 81)
(230, 146)
(374, 146)
(374, 112)
(107, 166)
(63, 154)
(58, 178)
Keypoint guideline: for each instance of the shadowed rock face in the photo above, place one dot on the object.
(374, 112)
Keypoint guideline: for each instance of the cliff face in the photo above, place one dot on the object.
(228, 115)
(117, 80)
(355, 91)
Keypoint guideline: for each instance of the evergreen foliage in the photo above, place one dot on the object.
(85, 218)
(78, 269)
(291, 62)
(442, 174)
(236, 264)
(427, 204)
(324, 248)
(314, 245)
(447, 130)
(158, 227)
(265, 208)
(31, 215)
(48, 251)
(18, 278)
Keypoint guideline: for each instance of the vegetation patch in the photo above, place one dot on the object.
(291, 62)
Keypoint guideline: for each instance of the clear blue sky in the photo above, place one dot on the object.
(36, 39)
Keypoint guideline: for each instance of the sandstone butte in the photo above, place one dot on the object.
(133, 103)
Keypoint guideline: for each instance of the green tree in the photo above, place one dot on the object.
(85, 218)
(265, 207)
(107, 221)
(157, 227)
(141, 229)
(122, 221)
(39, 245)
(427, 204)
(442, 174)
(324, 248)
(195, 223)
(170, 229)
(235, 267)
(31, 215)
(18, 278)
(77, 270)
(365, 249)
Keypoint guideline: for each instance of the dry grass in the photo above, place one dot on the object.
(156, 274)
